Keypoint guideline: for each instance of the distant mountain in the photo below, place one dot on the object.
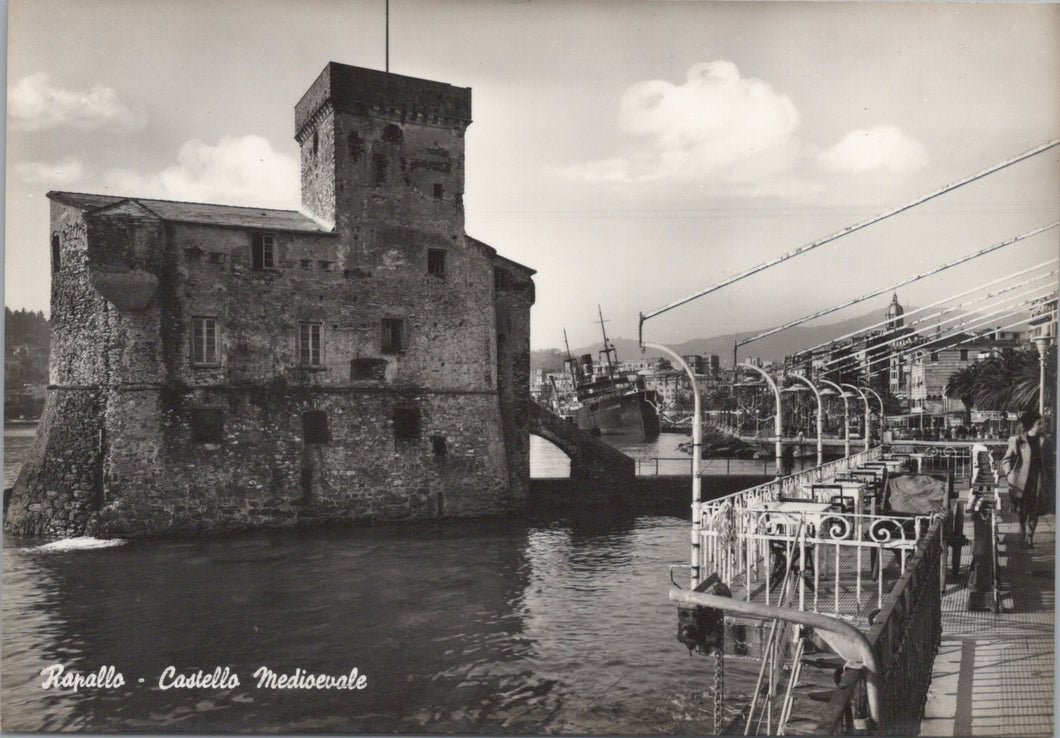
(773, 348)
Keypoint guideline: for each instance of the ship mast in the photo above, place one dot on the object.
(570, 363)
(608, 348)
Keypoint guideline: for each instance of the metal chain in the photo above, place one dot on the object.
(719, 689)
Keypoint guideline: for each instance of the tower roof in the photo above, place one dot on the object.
(894, 309)
(363, 91)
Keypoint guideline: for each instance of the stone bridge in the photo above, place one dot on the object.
(597, 470)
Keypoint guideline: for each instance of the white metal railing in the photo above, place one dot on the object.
(841, 555)
(842, 558)
(791, 484)
(956, 457)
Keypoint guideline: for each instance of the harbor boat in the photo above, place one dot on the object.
(607, 401)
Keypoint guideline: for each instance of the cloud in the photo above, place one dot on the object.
(243, 170)
(716, 125)
(60, 174)
(885, 148)
(35, 104)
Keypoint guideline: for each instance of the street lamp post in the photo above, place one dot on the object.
(846, 413)
(1042, 343)
(882, 411)
(816, 394)
(697, 444)
(867, 412)
(777, 421)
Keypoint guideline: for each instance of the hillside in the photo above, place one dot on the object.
(26, 344)
(774, 348)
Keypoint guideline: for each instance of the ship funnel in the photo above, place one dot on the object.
(587, 364)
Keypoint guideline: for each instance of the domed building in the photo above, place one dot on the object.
(894, 314)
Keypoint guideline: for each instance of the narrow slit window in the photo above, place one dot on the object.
(393, 336)
(205, 342)
(309, 348)
(436, 262)
(56, 252)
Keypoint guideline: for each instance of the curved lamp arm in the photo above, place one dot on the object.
(865, 398)
(846, 413)
(777, 425)
(817, 394)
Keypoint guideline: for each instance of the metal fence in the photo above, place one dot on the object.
(950, 458)
(847, 554)
(883, 572)
(847, 561)
(905, 637)
(675, 465)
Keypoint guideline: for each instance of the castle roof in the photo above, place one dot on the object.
(232, 216)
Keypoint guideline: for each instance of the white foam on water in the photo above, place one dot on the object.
(81, 543)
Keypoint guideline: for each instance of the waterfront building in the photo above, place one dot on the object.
(667, 384)
(932, 363)
(218, 367)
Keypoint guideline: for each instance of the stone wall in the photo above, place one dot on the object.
(79, 320)
(57, 490)
(514, 295)
(264, 473)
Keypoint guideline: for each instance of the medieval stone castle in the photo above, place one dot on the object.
(218, 367)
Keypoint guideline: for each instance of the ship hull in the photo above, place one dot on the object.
(621, 414)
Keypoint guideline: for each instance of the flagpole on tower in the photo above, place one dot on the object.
(388, 35)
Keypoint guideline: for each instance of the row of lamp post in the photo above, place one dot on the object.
(832, 390)
(697, 435)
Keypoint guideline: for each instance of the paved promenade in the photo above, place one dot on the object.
(994, 674)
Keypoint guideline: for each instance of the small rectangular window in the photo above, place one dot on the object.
(315, 427)
(406, 423)
(393, 336)
(438, 445)
(373, 369)
(309, 353)
(436, 262)
(207, 425)
(934, 355)
(964, 354)
(205, 342)
(263, 251)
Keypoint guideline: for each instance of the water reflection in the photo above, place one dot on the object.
(546, 625)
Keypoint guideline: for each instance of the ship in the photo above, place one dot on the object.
(607, 401)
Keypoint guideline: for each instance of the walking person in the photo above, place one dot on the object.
(787, 460)
(1027, 475)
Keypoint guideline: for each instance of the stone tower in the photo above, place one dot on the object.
(375, 144)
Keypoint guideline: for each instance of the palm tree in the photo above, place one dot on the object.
(963, 385)
(1010, 381)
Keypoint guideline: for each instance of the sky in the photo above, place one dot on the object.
(632, 153)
